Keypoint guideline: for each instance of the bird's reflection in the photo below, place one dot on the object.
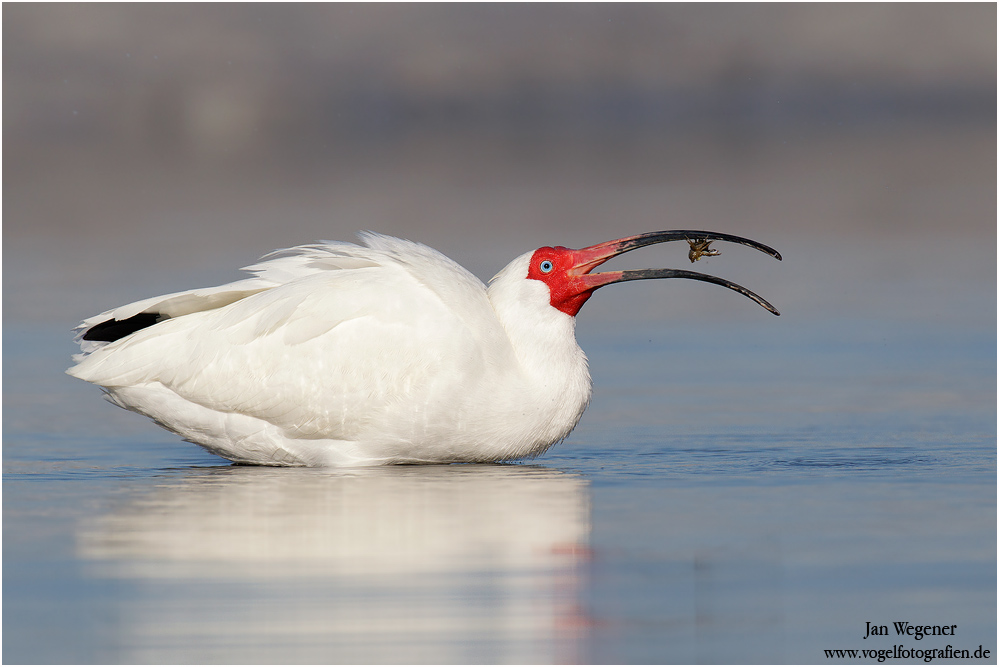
(466, 563)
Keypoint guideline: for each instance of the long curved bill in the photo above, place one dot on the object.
(593, 256)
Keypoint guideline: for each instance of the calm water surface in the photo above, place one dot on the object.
(743, 493)
(742, 489)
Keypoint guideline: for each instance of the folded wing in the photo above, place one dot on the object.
(322, 341)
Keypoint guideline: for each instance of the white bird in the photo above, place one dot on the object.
(340, 354)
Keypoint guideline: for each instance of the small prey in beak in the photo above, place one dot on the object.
(567, 272)
(700, 248)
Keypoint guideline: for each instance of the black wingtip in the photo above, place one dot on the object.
(111, 330)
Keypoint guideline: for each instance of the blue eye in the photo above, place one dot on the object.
(546, 266)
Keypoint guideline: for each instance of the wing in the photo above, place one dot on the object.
(276, 269)
(343, 343)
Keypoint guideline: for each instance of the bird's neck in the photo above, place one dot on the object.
(543, 338)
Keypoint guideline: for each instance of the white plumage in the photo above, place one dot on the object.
(340, 354)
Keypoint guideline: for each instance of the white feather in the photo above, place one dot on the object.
(336, 354)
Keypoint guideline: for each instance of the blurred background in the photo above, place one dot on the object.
(743, 488)
(196, 138)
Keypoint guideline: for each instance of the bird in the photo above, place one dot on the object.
(384, 352)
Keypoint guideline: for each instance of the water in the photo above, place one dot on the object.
(747, 493)
(742, 488)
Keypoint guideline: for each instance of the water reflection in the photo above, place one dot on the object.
(440, 564)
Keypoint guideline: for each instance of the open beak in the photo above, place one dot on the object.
(589, 258)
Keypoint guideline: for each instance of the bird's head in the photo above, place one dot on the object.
(566, 272)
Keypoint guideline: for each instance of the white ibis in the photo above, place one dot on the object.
(387, 352)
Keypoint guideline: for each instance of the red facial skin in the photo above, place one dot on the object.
(569, 280)
(566, 272)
